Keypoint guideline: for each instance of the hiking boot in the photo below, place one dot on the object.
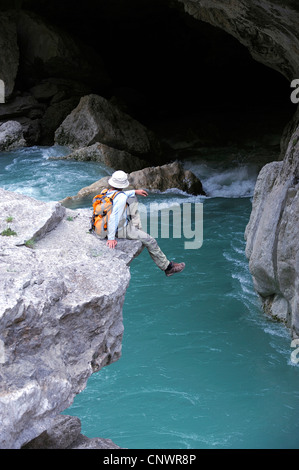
(174, 268)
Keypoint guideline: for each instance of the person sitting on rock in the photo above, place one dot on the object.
(122, 226)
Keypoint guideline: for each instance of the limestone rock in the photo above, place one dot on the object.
(31, 129)
(288, 131)
(109, 156)
(54, 116)
(45, 90)
(272, 244)
(62, 433)
(59, 322)
(9, 57)
(17, 210)
(171, 175)
(58, 89)
(65, 433)
(161, 178)
(11, 136)
(21, 105)
(267, 29)
(60, 96)
(27, 111)
(95, 119)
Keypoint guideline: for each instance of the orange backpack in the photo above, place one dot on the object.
(102, 208)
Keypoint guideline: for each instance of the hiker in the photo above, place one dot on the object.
(122, 225)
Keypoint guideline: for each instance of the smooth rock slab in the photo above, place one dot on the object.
(28, 218)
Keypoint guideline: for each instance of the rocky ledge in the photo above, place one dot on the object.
(60, 317)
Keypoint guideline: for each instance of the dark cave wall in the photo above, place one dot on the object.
(268, 28)
(154, 60)
(154, 47)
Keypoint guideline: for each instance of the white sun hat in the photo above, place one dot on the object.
(119, 180)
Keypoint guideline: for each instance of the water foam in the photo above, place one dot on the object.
(34, 172)
(232, 182)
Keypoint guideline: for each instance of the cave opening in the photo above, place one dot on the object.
(181, 77)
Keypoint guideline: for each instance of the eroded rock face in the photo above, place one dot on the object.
(65, 433)
(109, 156)
(272, 237)
(171, 175)
(267, 28)
(95, 119)
(11, 136)
(59, 322)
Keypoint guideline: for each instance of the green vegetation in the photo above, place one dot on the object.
(9, 219)
(8, 232)
(30, 243)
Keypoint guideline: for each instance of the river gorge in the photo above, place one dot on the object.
(200, 86)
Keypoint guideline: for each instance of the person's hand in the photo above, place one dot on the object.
(111, 243)
(141, 192)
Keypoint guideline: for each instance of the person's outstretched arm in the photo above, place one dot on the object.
(141, 192)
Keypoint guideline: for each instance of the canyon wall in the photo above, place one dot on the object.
(58, 321)
(269, 29)
(272, 245)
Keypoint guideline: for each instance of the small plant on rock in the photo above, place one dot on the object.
(8, 232)
(30, 243)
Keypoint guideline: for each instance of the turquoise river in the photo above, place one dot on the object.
(202, 366)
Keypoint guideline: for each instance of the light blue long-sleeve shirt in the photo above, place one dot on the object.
(119, 211)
